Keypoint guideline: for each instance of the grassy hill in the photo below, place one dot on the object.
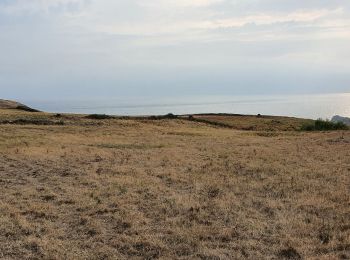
(257, 123)
(8, 104)
(75, 187)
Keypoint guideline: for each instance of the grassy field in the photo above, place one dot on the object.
(78, 188)
(257, 123)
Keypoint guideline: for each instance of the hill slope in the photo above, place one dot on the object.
(8, 104)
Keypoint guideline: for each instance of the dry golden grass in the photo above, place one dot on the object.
(143, 189)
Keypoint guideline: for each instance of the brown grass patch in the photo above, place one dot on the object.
(119, 189)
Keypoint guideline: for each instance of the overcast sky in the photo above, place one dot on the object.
(102, 48)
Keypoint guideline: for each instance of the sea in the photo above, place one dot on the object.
(313, 106)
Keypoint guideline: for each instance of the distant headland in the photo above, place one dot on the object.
(9, 104)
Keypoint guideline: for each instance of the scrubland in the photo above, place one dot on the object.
(78, 188)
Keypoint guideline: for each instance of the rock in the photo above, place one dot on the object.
(345, 120)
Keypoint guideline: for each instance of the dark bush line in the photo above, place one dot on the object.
(103, 116)
(167, 116)
(205, 121)
(229, 115)
(219, 114)
(324, 125)
(31, 122)
(99, 116)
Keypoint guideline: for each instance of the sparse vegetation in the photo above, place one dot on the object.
(25, 121)
(129, 146)
(289, 253)
(134, 188)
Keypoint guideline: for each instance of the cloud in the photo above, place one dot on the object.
(133, 43)
(21, 7)
(191, 19)
(181, 3)
(267, 19)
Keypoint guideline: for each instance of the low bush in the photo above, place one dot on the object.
(324, 125)
(167, 116)
(99, 116)
(31, 122)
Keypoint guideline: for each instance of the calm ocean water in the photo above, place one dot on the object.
(306, 106)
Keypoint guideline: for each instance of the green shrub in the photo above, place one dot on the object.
(99, 117)
(324, 125)
(167, 116)
(308, 127)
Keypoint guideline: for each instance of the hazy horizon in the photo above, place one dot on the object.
(304, 106)
(105, 48)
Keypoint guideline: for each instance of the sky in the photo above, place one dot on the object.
(111, 48)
